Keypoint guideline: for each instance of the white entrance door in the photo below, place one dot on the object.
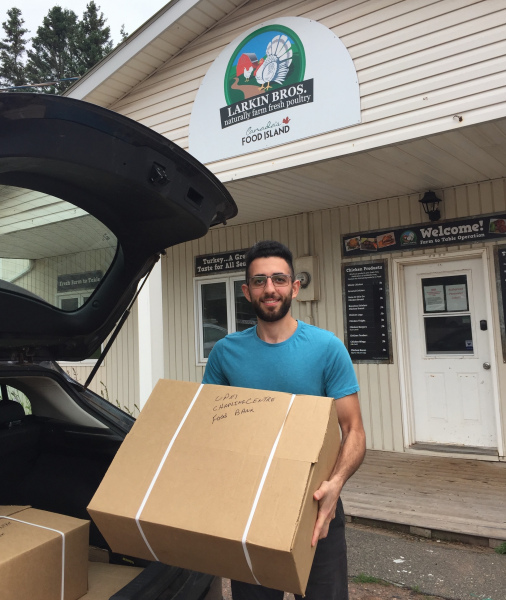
(449, 354)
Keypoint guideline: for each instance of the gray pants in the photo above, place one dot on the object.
(328, 579)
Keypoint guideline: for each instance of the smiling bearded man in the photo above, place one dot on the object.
(286, 355)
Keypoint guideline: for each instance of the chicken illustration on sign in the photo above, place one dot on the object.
(274, 67)
(272, 55)
(246, 64)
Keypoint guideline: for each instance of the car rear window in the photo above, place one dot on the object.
(51, 249)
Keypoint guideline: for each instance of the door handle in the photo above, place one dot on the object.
(486, 366)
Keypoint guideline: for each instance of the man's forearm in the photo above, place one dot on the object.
(350, 457)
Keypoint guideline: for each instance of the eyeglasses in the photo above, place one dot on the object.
(278, 280)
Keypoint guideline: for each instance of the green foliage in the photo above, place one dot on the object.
(63, 47)
(54, 54)
(18, 396)
(12, 49)
(104, 392)
(363, 578)
(501, 549)
(93, 39)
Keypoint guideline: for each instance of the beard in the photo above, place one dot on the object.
(272, 316)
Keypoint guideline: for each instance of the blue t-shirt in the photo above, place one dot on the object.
(312, 361)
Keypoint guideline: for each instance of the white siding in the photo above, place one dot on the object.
(117, 380)
(418, 62)
(42, 278)
(380, 389)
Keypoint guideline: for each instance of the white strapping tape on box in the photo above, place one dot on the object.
(259, 491)
(257, 497)
(155, 477)
(62, 547)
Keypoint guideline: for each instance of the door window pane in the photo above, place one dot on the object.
(214, 314)
(448, 334)
(445, 294)
(244, 314)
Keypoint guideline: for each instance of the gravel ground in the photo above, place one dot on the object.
(434, 568)
(359, 591)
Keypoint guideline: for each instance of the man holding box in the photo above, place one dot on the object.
(286, 355)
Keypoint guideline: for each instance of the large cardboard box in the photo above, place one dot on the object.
(221, 480)
(43, 555)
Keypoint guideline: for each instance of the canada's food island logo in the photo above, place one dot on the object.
(265, 75)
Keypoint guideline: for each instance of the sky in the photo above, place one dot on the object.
(131, 13)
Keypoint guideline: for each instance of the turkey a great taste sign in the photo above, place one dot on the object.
(290, 78)
(223, 263)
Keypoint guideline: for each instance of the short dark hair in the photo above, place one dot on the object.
(266, 249)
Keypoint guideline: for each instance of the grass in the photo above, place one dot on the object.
(363, 578)
(104, 392)
(501, 549)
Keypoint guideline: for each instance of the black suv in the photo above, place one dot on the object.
(88, 201)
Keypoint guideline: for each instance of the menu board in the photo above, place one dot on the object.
(500, 270)
(367, 325)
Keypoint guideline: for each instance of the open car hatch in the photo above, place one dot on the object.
(88, 201)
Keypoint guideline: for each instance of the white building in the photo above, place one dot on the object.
(390, 99)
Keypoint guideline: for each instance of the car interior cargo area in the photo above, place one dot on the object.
(53, 456)
(47, 461)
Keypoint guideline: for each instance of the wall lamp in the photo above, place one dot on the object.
(430, 203)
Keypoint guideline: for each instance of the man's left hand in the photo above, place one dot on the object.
(327, 496)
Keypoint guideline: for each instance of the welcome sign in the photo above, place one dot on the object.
(462, 231)
(289, 79)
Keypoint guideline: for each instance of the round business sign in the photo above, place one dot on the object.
(288, 79)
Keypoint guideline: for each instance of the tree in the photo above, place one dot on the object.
(65, 47)
(12, 49)
(123, 33)
(93, 38)
(54, 54)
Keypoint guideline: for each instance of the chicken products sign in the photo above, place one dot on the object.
(287, 80)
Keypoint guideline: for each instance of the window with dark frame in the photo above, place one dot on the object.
(447, 318)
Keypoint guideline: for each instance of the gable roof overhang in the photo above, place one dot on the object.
(158, 40)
